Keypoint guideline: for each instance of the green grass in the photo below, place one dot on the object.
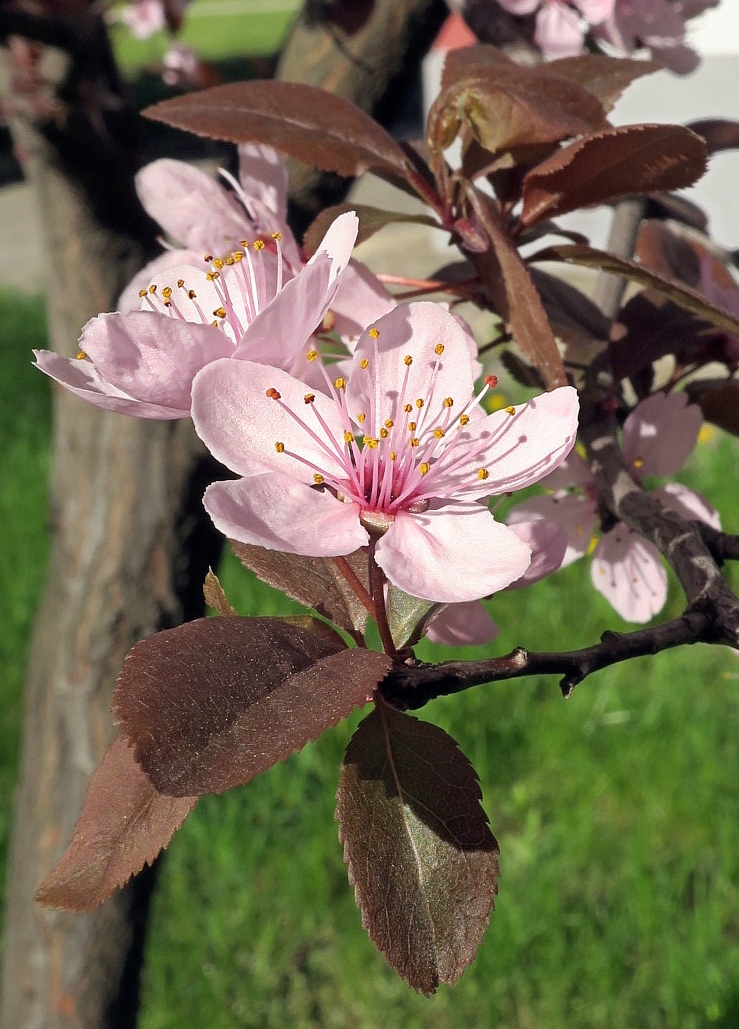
(221, 35)
(616, 812)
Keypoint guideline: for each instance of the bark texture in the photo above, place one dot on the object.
(128, 541)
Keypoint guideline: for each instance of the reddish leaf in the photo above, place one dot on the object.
(682, 295)
(303, 121)
(421, 855)
(371, 220)
(650, 326)
(668, 254)
(506, 277)
(508, 107)
(575, 319)
(215, 595)
(719, 404)
(212, 703)
(124, 824)
(610, 164)
(316, 582)
(604, 77)
(719, 133)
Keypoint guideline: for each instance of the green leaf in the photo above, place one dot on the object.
(421, 855)
(408, 616)
(309, 124)
(124, 824)
(210, 704)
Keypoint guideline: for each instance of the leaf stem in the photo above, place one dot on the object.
(377, 586)
(351, 577)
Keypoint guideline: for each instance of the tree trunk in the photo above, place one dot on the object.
(129, 546)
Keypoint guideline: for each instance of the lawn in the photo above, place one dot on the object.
(616, 813)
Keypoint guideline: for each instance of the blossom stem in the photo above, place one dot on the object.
(349, 574)
(377, 586)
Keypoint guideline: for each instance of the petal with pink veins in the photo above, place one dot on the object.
(451, 553)
(628, 571)
(263, 177)
(277, 512)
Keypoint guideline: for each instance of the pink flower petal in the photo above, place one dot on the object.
(451, 553)
(558, 31)
(660, 433)
(628, 571)
(572, 472)
(688, 503)
(575, 513)
(359, 301)
(192, 208)
(519, 446)
(240, 424)
(412, 331)
(274, 511)
(548, 543)
(130, 298)
(263, 177)
(460, 624)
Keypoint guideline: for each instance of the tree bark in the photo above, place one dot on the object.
(129, 542)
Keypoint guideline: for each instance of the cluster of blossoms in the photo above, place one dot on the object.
(627, 25)
(387, 449)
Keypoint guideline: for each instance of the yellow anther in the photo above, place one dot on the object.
(464, 419)
(180, 283)
(371, 442)
(384, 433)
(143, 292)
(214, 323)
(237, 255)
(152, 288)
(244, 244)
(318, 479)
(348, 437)
(482, 473)
(439, 349)
(218, 263)
(393, 455)
(81, 355)
(311, 355)
(439, 433)
(259, 244)
(638, 463)
(277, 236)
(415, 441)
(419, 403)
(229, 261)
(208, 258)
(373, 333)
(167, 292)
(448, 402)
(389, 423)
(220, 312)
(360, 417)
(408, 408)
(412, 426)
(511, 410)
(309, 398)
(191, 294)
(211, 276)
(424, 468)
(364, 363)
(279, 447)
(340, 383)
(407, 360)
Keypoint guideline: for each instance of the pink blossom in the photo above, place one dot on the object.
(561, 25)
(200, 216)
(658, 25)
(144, 18)
(143, 363)
(180, 66)
(658, 436)
(398, 455)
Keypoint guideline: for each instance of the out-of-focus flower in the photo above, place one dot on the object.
(398, 455)
(657, 25)
(561, 25)
(144, 18)
(658, 436)
(181, 66)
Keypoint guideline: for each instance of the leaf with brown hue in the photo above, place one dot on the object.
(371, 220)
(682, 295)
(650, 326)
(210, 704)
(508, 107)
(421, 856)
(507, 280)
(719, 133)
(719, 404)
(611, 164)
(124, 824)
(215, 595)
(316, 582)
(307, 123)
(575, 319)
(604, 77)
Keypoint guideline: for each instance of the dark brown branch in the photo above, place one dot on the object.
(411, 687)
(723, 545)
